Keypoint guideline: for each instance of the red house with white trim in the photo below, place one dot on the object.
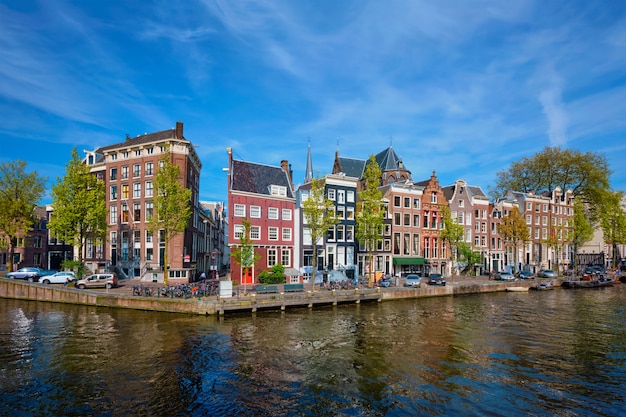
(263, 195)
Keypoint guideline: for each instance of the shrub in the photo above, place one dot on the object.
(275, 276)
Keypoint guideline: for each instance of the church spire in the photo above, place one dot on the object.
(309, 166)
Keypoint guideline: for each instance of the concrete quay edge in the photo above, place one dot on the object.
(122, 297)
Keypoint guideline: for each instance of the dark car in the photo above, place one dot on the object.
(547, 273)
(526, 275)
(436, 279)
(28, 273)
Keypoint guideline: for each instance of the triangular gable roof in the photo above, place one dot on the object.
(256, 178)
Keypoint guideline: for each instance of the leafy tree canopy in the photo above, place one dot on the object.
(319, 215)
(19, 194)
(586, 174)
(79, 205)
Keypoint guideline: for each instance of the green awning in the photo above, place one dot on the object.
(409, 261)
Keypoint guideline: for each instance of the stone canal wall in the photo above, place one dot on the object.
(123, 298)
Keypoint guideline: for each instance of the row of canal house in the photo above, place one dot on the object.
(265, 196)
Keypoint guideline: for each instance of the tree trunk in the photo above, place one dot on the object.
(165, 268)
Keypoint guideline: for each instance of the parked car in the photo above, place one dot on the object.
(107, 280)
(436, 279)
(384, 281)
(505, 276)
(28, 273)
(547, 273)
(526, 275)
(63, 277)
(597, 270)
(414, 281)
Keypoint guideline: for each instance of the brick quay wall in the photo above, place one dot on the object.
(121, 297)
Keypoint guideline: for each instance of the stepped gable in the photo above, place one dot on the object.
(256, 178)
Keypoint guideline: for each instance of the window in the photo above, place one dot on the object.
(148, 236)
(407, 202)
(350, 197)
(331, 233)
(114, 157)
(461, 203)
(287, 234)
(286, 214)
(406, 247)
(150, 150)
(272, 213)
(285, 257)
(340, 212)
(137, 236)
(396, 243)
(149, 189)
(407, 219)
(416, 220)
(240, 210)
(529, 219)
(113, 174)
(125, 191)
(340, 232)
(529, 206)
(396, 201)
(416, 203)
(255, 212)
(341, 197)
(125, 213)
(278, 190)
(331, 194)
(125, 154)
(350, 213)
(136, 170)
(149, 254)
(255, 232)
(272, 233)
(483, 227)
(137, 152)
(125, 172)
(114, 192)
(149, 210)
(433, 197)
(137, 190)
(271, 257)
(396, 219)
(238, 230)
(113, 218)
(149, 168)
(416, 245)
(136, 212)
(349, 233)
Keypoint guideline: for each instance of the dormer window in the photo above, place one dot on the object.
(278, 190)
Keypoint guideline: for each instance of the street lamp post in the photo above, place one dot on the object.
(214, 253)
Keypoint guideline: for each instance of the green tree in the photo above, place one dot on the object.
(581, 230)
(19, 193)
(469, 256)
(244, 254)
(514, 232)
(79, 206)
(319, 216)
(172, 207)
(370, 213)
(452, 234)
(555, 241)
(613, 222)
(586, 174)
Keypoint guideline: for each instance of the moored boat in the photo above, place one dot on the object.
(593, 283)
(516, 289)
(543, 286)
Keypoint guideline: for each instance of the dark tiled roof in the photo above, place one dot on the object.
(388, 160)
(143, 139)
(448, 191)
(476, 191)
(353, 167)
(256, 178)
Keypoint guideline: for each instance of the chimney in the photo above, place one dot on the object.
(127, 137)
(284, 164)
(179, 130)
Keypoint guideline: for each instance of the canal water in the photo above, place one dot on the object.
(545, 353)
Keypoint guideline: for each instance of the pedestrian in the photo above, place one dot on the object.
(202, 276)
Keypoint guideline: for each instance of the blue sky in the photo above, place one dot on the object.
(457, 86)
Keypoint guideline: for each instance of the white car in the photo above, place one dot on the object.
(63, 277)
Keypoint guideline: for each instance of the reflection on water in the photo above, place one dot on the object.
(558, 352)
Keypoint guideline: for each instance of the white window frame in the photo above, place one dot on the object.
(255, 212)
(272, 213)
(239, 210)
(286, 214)
(255, 232)
(238, 231)
(286, 234)
(272, 233)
